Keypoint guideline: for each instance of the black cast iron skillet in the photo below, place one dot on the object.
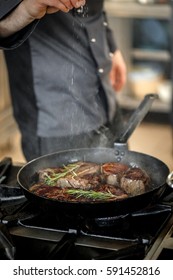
(154, 167)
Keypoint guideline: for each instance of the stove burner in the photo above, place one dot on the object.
(10, 193)
(111, 221)
(5, 165)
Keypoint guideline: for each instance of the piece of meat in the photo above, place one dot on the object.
(43, 173)
(87, 168)
(134, 181)
(85, 182)
(85, 176)
(113, 171)
(69, 175)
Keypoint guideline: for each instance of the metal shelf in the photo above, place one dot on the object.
(154, 55)
(136, 10)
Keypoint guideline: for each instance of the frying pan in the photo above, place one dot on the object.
(154, 167)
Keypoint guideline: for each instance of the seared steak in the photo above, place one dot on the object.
(85, 182)
(79, 175)
(44, 173)
(134, 181)
(87, 168)
(113, 171)
(84, 175)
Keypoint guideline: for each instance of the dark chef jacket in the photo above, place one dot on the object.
(59, 71)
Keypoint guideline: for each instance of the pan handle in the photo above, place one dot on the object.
(137, 117)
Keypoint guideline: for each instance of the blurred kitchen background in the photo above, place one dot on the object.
(143, 31)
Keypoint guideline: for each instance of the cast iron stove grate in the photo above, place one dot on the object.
(124, 237)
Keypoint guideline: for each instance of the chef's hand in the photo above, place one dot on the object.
(38, 8)
(118, 71)
(30, 10)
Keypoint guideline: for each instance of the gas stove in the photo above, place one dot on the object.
(28, 232)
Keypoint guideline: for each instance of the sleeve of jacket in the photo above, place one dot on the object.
(18, 38)
(110, 36)
(15, 40)
(6, 6)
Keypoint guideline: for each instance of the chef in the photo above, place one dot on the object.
(64, 72)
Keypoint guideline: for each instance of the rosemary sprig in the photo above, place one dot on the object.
(51, 179)
(90, 194)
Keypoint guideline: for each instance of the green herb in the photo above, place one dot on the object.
(90, 194)
(68, 169)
